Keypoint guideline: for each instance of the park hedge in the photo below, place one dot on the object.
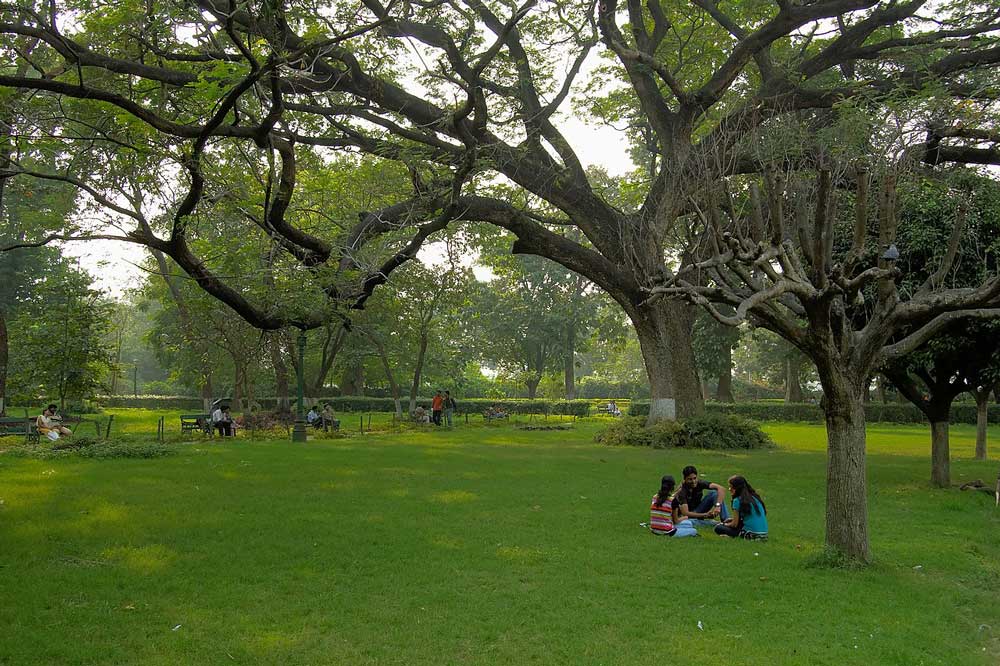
(362, 404)
(876, 412)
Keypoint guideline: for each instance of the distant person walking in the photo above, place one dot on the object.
(449, 407)
(437, 404)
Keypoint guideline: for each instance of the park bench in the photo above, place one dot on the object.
(495, 416)
(603, 409)
(196, 422)
(13, 426)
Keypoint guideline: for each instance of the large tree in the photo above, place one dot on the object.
(277, 82)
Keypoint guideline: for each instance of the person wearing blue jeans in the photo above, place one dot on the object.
(701, 502)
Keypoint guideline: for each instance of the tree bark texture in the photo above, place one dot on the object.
(982, 422)
(793, 386)
(4, 345)
(569, 361)
(724, 391)
(417, 369)
(532, 383)
(389, 375)
(332, 343)
(206, 393)
(846, 477)
(280, 375)
(353, 380)
(940, 458)
(664, 329)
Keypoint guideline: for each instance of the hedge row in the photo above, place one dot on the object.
(363, 404)
(811, 413)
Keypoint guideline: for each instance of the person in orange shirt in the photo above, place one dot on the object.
(437, 404)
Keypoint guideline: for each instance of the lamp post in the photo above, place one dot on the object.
(135, 377)
(299, 430)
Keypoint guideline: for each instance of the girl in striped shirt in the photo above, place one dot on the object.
(661, 519)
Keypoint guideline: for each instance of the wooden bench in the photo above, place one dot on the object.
(196, 422)
(494, 416)
(12, 426)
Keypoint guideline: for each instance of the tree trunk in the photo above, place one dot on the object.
(940, 462)
(664, 329)
(569, 361)
(417, 369)
(3, 364)
(353, 379)
(880, 390)
(793, 385)
(332, 344)
(389, 375)
(846, 482)
(206, 394)
(532, 383)
(280, 375)
(724, 391)
(237, 387)
(982, 421)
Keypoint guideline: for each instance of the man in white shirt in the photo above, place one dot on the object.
(222, 421)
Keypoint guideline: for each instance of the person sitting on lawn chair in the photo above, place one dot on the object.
(49, 424)
(222, 421)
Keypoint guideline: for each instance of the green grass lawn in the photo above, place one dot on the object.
(483, 545)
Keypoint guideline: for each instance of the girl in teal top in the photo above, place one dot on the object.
(749, 519)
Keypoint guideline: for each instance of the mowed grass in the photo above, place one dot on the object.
(484, 545)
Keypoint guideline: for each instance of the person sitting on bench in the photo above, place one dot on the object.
(50, 424)
(312, 418)
(420, 415)
(328, 419)
(222, 421)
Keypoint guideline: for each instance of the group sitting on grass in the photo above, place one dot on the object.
(699, 503)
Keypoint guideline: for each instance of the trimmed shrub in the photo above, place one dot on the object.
(725, 431)
(812, 413)
(364, 404)
(180, 402)
(715, 431)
